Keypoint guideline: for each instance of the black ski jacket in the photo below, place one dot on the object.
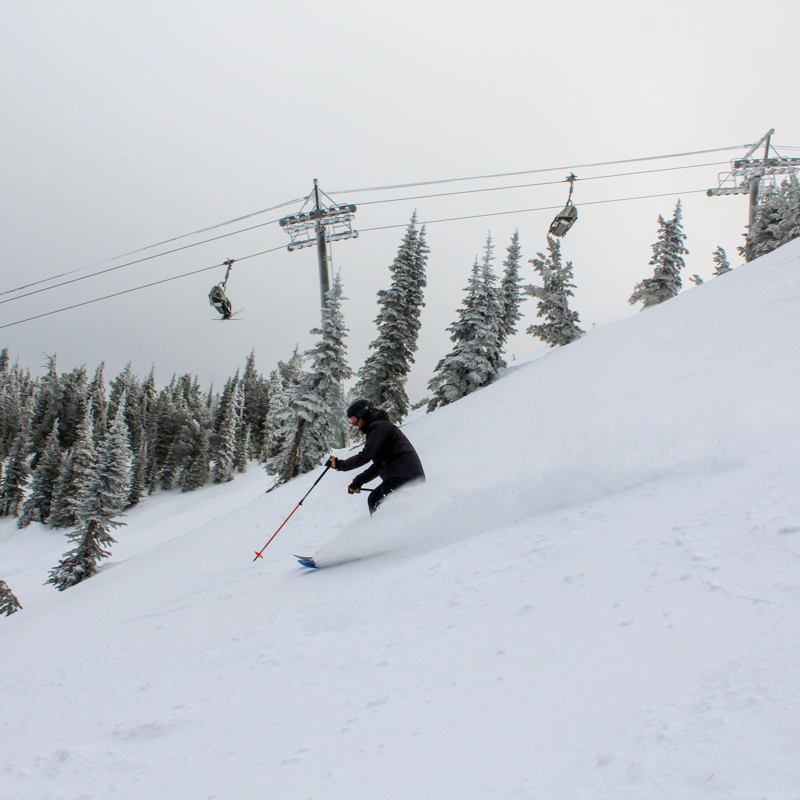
(392, 455)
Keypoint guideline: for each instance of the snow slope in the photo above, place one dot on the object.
(595, 595)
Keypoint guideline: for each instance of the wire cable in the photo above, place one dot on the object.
(365, 203)
(150, 247)
(131, 263)
(136, 288)
(544, 169)
(527, 210)
(363, 230)
(375, 188)
(543, 183)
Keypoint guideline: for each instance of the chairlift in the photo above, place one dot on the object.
(217, 297)
(566, 219)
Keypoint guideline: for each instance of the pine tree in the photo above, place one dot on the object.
(144, 466)
(76, 472)
(16, 389)
(196, 473)
(383, 376)
(777, 221)
(72, 406)
(491, 305)
(17, 469)
(114, 462)
(47, 408)
(561, 326)
(227, 439)
(309, 428)
(721, 263)
(165, 428)
(36, 507)
(667, 261)
(273, 421)
(8, 602)
(475, 358)
(98, 405)
(243, 448)
(101, 497)
(510, 291)
(256, 400)
(696, 279)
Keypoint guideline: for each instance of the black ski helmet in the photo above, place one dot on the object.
(360, 409)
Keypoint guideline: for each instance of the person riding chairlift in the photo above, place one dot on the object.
(219, 300)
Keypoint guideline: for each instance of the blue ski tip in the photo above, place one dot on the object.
(307, 561)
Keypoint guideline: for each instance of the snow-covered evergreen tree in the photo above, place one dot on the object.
(76, 472)
(510, 291)
(696, 279)
(492, 306)
(47, 407)
(114, 462)
(98, 404)
(72, 406)
(8, 602)
(383, 376)
(277, 402)
(667, 261)
(17, 468)
(309, 428)
(777, 220)
(721, 263)
(256, 403)
(17, 389)
(36, 507)
(475, 358)
(561, 324)
(243, 448)
(101, 498)
(197, 470)
(229, 435)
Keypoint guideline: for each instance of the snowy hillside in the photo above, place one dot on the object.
(595, 595)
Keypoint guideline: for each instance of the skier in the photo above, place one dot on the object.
(219, 300)
(393, 457)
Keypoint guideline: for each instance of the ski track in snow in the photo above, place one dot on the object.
(594, 595)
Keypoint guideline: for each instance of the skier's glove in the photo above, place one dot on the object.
(332, 462)
(354, 488)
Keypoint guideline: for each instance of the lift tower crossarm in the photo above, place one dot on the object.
(746, 173)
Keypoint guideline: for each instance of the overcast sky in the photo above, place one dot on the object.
(128, 123)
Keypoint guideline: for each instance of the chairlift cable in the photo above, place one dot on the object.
(544, 169)
(364, 203)
(137, 288)
(542, 183)
(151, 246)
(131, 263)
(368, 202)
(527, 210)
(362, 230)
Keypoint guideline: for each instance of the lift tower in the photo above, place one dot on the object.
(746, 174)
(318, 226)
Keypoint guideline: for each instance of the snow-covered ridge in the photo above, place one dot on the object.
(594, 595)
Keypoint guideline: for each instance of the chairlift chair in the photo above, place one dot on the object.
(217, 297)
(566, 218)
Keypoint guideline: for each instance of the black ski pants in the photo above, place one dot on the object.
(378, 494)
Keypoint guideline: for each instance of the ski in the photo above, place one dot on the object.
(306, 561)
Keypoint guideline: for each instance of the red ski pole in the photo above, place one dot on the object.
(259, 552)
